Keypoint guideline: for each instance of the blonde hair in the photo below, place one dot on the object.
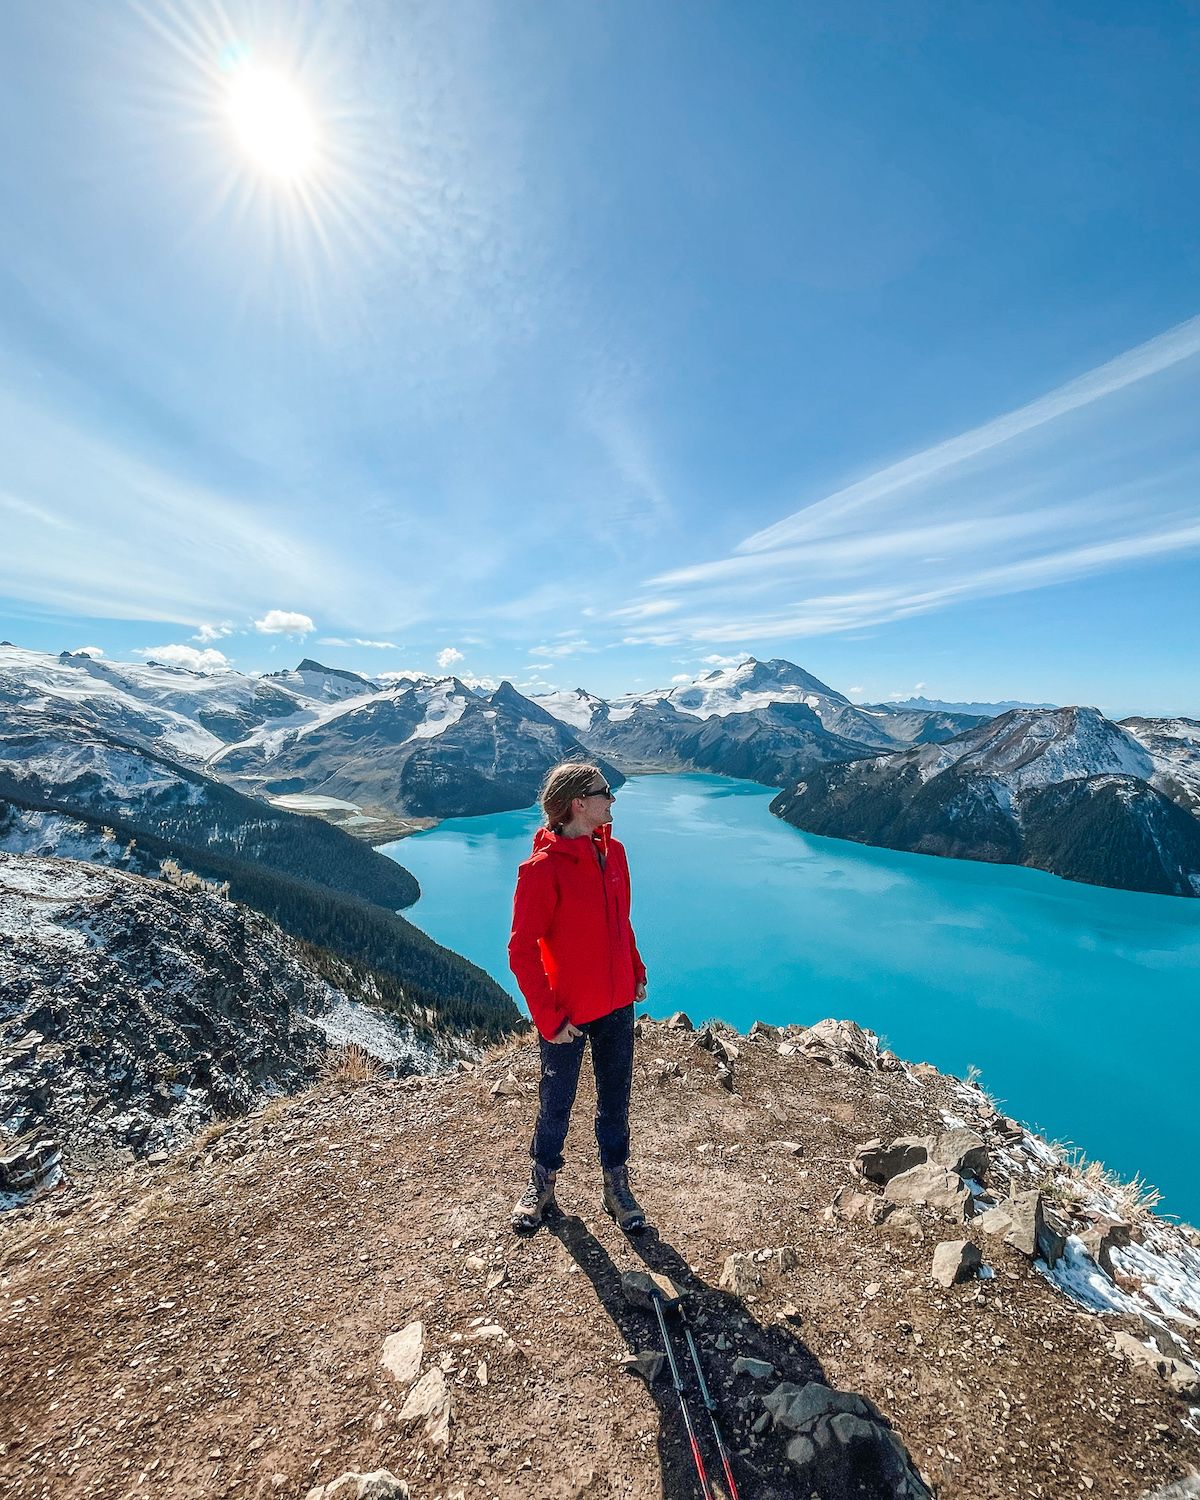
(563, 783)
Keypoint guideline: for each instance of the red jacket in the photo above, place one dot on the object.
(572, 948)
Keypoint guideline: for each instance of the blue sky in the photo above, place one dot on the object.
(603, 341)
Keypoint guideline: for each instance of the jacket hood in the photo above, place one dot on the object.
(555, 843)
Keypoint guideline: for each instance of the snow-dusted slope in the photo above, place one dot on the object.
(1064, 789)
(133, 1011)
(577, 708)
(1174, 747)
(1034, 747)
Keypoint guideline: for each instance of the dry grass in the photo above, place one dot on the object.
(350, 1066)
(1080, 1181)
(503, 1048)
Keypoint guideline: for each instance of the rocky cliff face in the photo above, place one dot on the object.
(1064, 790)
(132, 1012)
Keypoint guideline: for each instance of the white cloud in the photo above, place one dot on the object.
(194, 660)
(284, 622)
(406, 674)
(481, 684)
(208, 633)
(96, 651)
(724, 661)
(448, 656)
(916, 691)
(681, 677)
(855, 692)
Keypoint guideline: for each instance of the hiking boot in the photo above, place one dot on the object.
(537, 1199)
(619, 1202)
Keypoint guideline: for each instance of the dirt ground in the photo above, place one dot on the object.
(213, 1326)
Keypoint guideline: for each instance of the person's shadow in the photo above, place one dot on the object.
(763, 1473)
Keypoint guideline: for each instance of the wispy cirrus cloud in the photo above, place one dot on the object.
(1100, 473)
(337, 640)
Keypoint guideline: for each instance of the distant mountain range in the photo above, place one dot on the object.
(1028, 784)
(984, 710)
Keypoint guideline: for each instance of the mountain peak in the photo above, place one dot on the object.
(309, 665)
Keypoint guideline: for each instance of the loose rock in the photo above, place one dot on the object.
(379, 1485)
(402, 1353)
(429, 1400)
(639, 1287)
(955, 1260)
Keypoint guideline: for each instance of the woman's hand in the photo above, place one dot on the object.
(640, 993)
(567, 1034)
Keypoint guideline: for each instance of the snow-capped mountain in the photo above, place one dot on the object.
(1064, 789)
(767, 721)
(171, 710)
(578, 708)
(429, 748)
(368, 754)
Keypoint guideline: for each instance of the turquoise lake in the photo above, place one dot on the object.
(1078, 1004)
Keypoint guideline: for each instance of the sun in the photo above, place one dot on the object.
(272, 122)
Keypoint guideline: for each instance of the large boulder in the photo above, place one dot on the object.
(842, 1445)
(740, 1274)
(429, 1402)
(841, 1044)
(1027, 1223)
(640, 1288)
(879, 1163)
(380, 1484)
(1182, 1377)
(963, 1151)
(933, 1187)
(1102, 1238)
(402, 1353)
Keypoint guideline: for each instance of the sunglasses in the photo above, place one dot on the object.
(599, 791)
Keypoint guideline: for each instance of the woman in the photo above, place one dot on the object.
(574, 956)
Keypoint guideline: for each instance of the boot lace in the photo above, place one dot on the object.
(619, 1191)
(538, 1184)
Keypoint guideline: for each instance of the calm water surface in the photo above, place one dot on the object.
(1078, 1004)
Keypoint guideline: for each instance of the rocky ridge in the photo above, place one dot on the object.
(323, 1300)
(134, 1012)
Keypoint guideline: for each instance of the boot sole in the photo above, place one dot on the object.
(527, 1226)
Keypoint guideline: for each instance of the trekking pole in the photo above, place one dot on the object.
(705, 1487)
(711, 1406)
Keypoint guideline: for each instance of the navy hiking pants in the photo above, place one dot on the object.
(612, 1062)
